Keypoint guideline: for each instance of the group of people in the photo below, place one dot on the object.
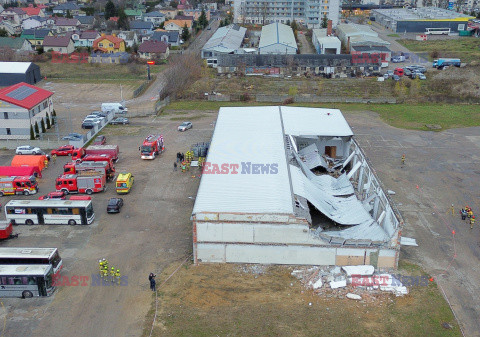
(111, 274)
(468, 213)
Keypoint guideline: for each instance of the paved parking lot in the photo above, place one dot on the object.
(152, 231)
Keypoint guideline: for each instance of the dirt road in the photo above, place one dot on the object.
(441, 169)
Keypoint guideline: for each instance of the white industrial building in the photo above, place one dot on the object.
(325, 44)
(224, 41)
(277, 38)
(290, 185)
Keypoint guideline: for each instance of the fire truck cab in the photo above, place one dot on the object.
(152, 146)
(18, 185)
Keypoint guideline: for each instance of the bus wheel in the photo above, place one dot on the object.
(29, 222)
(25, 192)
(89, 191)
(72, 222)
(27, 294)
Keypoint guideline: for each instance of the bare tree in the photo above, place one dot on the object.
(183, 71)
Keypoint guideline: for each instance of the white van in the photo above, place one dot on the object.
(117, 108)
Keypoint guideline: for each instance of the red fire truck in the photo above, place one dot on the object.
(18, 185)
(152, 146)
(111, 150)
(84, 182)
(103, 167)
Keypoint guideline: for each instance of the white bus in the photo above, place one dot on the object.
(26, 280)
(50, 212)
(437, 31)
(45, 256)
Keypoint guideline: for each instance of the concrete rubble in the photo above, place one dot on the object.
(359, 283)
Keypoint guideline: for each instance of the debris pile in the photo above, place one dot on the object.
(353, 282)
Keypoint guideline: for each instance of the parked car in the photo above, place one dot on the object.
(88, 125)
(91, 120)
(65, 150)
(396, 78)
(99, 113)
(53, 195)
(94, 119)
(386, 76)
(185, 126)
(397, 59)
(114, 205)
(422, 76)
(73, 136)
(417, 68)
(390, 73)
(120, 120)
(28, 149)
(100, 140)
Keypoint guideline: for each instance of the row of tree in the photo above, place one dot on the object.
(35, 130)
(112, 11)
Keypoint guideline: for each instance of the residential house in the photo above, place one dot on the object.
(68, 7)
(210, 5)
(16, 43)
(34, 22)
(85, 39)
(169, 13)
(7, 26)
(172, 37)
(14, 15)
(196, 13)
(61, 44)
(86, 21)
(36, 36)
(183, 17)
(23, 105)
(109, 44)
(134, 14)
(112, 58)
(154, 17)
(153, 49)
(33, 11)
(177, 25)
(130, 37)
(141, 27)
(66, 25)
(41, 2)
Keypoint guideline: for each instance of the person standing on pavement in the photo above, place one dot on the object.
(153, 283)
(463, 213)
(174, 166)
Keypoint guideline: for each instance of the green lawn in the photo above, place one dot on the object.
(407, 116)
(466, 48)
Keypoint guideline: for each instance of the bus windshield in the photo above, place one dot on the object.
(89, 211)
(56, 260)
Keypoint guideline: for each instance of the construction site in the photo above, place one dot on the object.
(290, 185)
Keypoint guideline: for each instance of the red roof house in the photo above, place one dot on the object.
(24, 95)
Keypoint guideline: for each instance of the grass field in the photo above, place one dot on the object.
(407, 116)
(87, 72)
(465, 48)
(230, 300)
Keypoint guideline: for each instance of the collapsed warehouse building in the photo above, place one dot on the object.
(290, 185)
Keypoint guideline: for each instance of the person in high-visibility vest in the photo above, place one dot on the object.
(112, 274)
(118, 276)
(403, 158)
(105, 262)
(472, 221)
(100, 265)
(470, 213)
(105, 273)
(46, 162)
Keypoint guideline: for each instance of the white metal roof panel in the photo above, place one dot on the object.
(315, 122)
(14, 67)
(226, 39)
(277, 33)
(246, 135)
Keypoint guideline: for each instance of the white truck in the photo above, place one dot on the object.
(117, 108)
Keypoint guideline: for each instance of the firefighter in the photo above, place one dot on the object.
(105, 272)
(105, 262)
(100, 265)
(469, 213)
(118, 276)
(54, 158)
(403, 159)
(472, 221)
(46, 162)
(463, 213)
(112, 274)
(184, 166)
